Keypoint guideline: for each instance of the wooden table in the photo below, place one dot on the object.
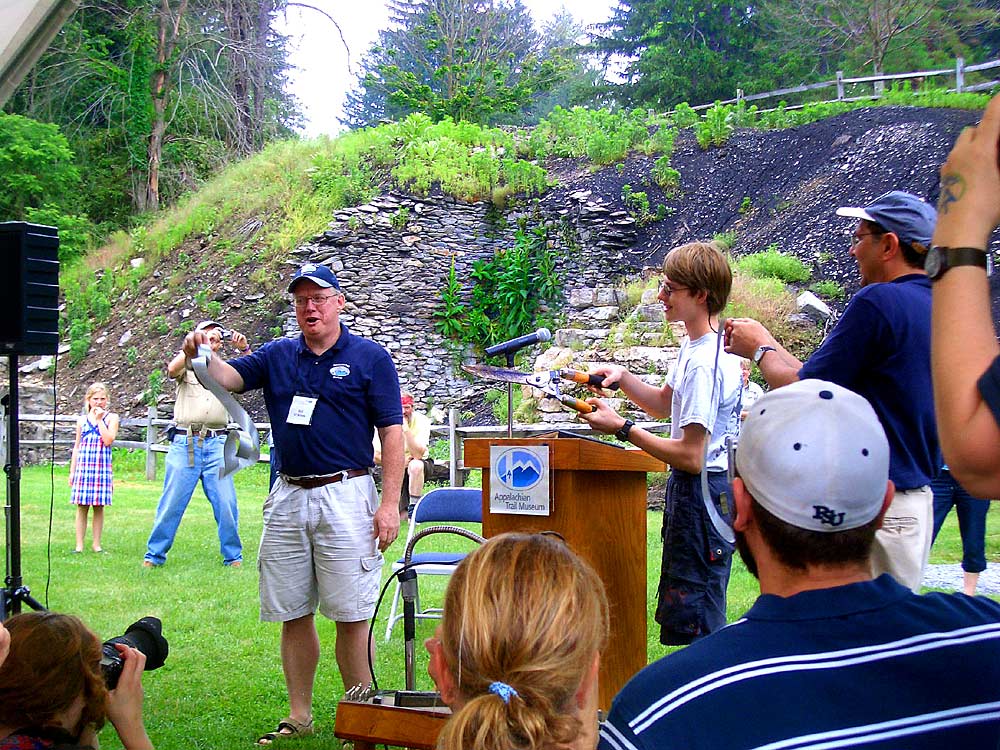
(371, 724)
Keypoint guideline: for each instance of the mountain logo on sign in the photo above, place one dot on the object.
(519, 469)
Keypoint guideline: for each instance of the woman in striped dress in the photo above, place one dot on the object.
(90, 474)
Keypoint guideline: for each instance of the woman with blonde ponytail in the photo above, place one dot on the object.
(517, 653)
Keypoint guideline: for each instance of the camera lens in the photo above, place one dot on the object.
(144, 635)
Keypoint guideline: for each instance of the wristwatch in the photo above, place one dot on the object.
(622, 434)
(940, 259)
(761, 351)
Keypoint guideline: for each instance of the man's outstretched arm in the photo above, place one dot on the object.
(963, 341)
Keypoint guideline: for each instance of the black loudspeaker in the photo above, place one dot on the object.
(29, 288)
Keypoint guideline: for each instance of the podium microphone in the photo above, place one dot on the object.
(509, 347)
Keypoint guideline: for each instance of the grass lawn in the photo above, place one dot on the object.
(222, 684)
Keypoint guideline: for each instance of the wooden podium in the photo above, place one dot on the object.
(599, 507)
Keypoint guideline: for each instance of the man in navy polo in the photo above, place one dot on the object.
(826, 657)
(880, 348)
(324, 526)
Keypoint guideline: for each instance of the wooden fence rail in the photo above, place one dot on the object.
(840, 83)
(154, 438)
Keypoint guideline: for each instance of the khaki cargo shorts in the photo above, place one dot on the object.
(317, 549)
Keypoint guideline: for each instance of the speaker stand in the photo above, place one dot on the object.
(14, 592)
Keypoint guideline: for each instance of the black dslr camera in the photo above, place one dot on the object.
(145, 636)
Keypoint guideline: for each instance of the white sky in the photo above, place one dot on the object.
(322, 79)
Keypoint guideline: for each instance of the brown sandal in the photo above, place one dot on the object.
(288, 729)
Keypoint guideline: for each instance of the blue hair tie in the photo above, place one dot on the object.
(505, 691)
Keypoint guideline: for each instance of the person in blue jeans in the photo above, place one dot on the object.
(196, 442)
(971, 524)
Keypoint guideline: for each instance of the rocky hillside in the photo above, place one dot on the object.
(768, 187)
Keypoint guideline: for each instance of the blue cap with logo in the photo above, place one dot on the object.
(318, 274)
(907, 216)
(815, 455)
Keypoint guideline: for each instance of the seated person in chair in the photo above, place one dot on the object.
(416, 459)
(53, 693)
(517, 653)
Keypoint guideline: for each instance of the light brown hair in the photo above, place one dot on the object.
(701, 267)
(524, 610)
(94, 388)
(53, 659)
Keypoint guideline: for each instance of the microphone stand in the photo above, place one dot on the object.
(510, 398)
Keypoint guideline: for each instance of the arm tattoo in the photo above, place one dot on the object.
(952, 190)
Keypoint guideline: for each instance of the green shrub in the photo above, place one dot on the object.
(745, 205)
(727, 240)
(159, 325)
(508, 292)
(716, 128)
(774, 264)
(828, 288)
(76, 233)
(684, 116)
(79, 339)
(400, 219)
(668, 178)
(154, 387)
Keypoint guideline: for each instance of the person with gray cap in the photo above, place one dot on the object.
(880, 348)
(827, 656)
(325, 528)
(197, 437)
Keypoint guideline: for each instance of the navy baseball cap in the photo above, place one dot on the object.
(910, 218)
(318, 274)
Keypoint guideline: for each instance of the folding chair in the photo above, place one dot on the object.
(443, 505)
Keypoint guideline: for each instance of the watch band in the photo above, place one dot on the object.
(952, 257)
(761, 351)
(626, 428)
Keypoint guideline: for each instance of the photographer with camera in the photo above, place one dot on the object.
(54, 692)
(197, 439)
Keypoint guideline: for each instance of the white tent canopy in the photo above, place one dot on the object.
(26, 29)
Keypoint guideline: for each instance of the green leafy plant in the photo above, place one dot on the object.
(450, 315)
(508, 293)
(829, 289)
(79, 339)
(727, 240)
(716, 128)
(668, 178)
(159, 325)
(745, 205)
(213, 308)
(637, 204)
(774, 264)
(400, 219)
(684, 116)
(154, 387)
(132, 355)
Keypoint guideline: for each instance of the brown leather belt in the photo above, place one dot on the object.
(312, 482)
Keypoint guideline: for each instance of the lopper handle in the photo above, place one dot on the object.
(586, 378)
(580, 405)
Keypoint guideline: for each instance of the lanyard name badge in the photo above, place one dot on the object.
(301, 411)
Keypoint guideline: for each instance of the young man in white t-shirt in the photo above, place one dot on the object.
(702, 397)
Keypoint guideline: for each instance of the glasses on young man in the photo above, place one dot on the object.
(666, 290)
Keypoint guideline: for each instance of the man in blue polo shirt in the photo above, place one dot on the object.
(324, 527)
(880, 348)
(827, 656)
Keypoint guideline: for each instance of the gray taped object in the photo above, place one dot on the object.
(242, 448)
